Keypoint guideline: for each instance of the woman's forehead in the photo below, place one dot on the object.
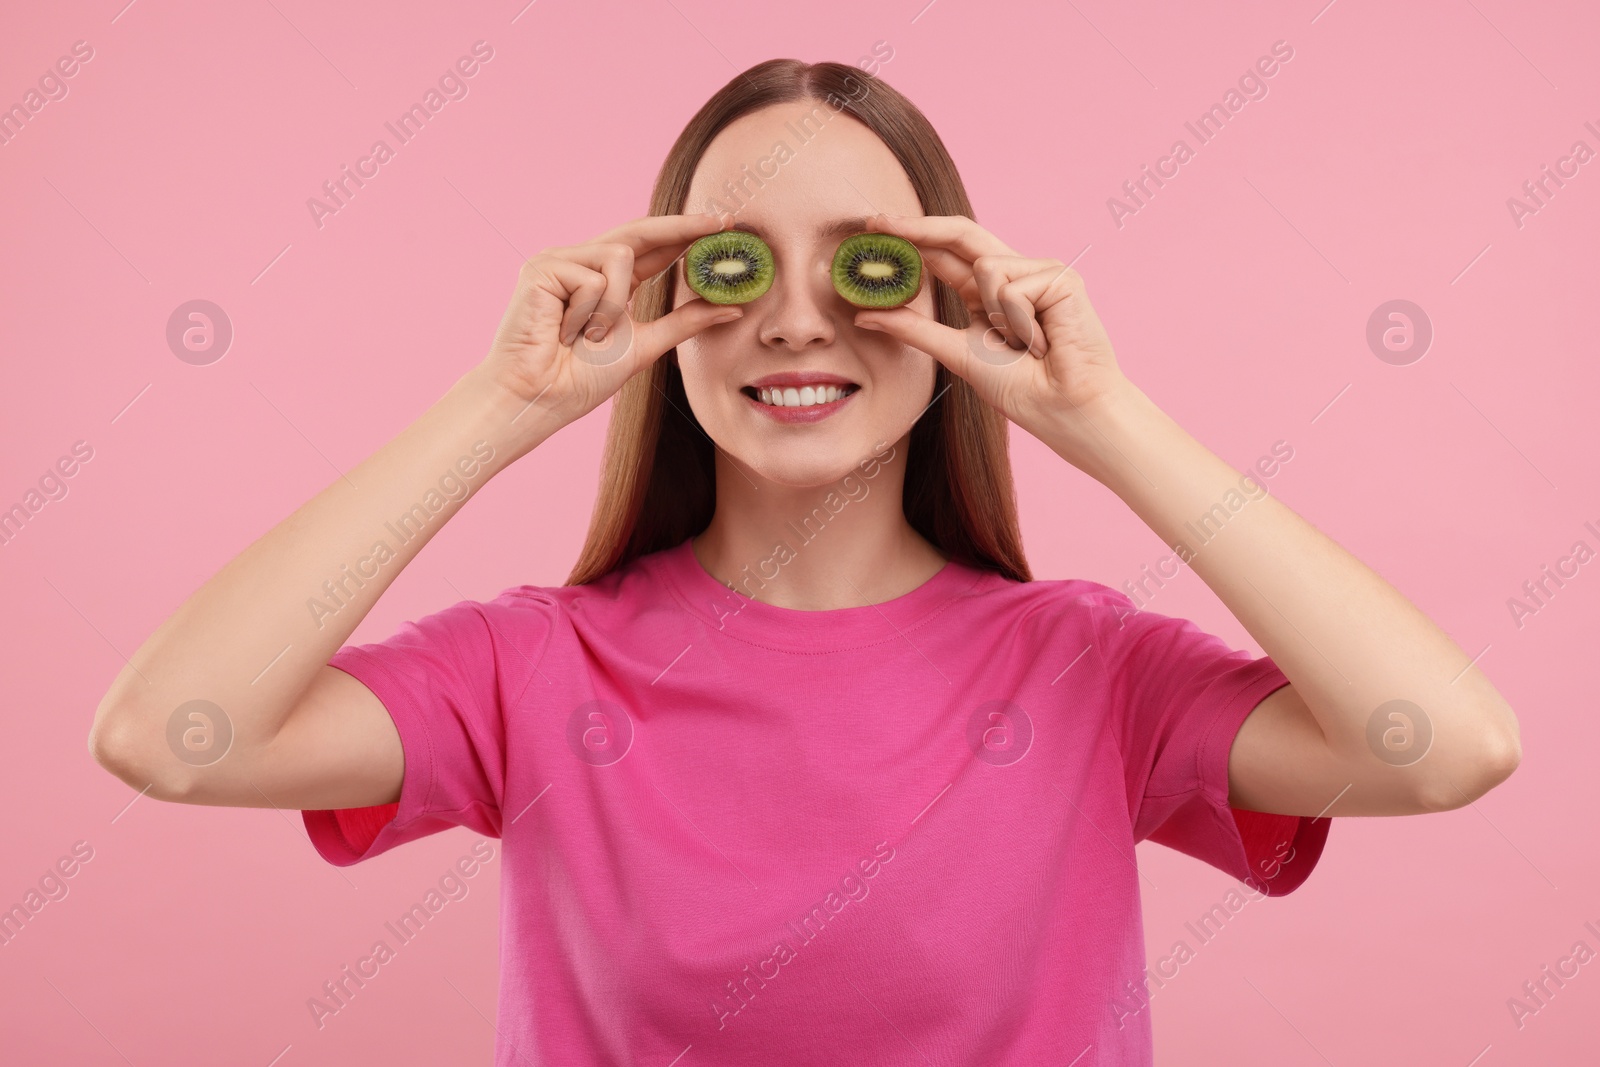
(800, 164)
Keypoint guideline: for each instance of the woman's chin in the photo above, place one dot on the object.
(819, 467)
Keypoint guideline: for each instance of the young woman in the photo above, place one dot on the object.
(801, 766)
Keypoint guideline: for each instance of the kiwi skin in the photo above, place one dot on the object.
(922, 275)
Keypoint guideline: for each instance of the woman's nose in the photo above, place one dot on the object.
(800, 308)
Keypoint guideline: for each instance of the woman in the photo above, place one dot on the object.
(801, 766)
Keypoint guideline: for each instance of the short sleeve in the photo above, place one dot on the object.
(1178, 698)
(441, 678)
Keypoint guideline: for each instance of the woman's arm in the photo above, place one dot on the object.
(259, 632)
(1347, 640)
(253, 643)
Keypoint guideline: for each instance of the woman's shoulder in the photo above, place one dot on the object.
(1082, 593)
(638, 577)
(1043, 608)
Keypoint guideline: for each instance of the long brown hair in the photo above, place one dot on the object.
(657, 479)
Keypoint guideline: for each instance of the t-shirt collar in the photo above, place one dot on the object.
(792, 629)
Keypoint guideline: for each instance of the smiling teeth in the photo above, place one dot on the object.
(806, 396)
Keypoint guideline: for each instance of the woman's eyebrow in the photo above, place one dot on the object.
(836, 228)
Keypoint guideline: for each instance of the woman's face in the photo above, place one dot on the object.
(798, 196)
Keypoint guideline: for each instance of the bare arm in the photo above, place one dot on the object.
(258, 634)
(1354, 649)
(253, 642)
(1375, 685)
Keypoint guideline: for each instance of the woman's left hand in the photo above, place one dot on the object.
(1035, 349)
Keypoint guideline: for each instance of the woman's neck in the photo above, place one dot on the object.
(842, 545)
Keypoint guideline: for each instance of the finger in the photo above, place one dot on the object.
(1012, 315)
(602, 298)
(957, 272)
(626, 256)
(584, 297)
(1063, 291)
(1019, 300)
(956, 349)
(657, 240)
(678, 325)
(559, 278)
(954, 233)
(979, 297)
(951, 246)
(633, 346)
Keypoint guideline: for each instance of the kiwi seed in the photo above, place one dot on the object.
(877, 270)
(729, 267)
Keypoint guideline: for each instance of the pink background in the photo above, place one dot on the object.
(1377, 167)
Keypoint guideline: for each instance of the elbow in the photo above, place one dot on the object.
(123, 746)
(1503, 757)
(1497, 763)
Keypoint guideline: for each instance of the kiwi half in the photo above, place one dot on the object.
(877, 270)
(729, 267)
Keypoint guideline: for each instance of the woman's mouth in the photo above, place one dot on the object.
(806, 403)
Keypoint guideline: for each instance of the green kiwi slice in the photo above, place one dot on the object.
(877, 270)
(729, 267)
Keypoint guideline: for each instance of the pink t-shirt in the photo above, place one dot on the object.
(734, 833)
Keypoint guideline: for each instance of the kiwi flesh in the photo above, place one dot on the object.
(877, 270)
(729, 267)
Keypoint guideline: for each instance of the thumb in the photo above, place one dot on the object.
(680, 324)
(977, 353)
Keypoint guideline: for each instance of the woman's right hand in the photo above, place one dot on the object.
(305, 734)
(548, 350)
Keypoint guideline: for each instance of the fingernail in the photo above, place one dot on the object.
(726, 316)
(870, 326)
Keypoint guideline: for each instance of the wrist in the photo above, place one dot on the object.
(1098, 436)
(486, 410)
